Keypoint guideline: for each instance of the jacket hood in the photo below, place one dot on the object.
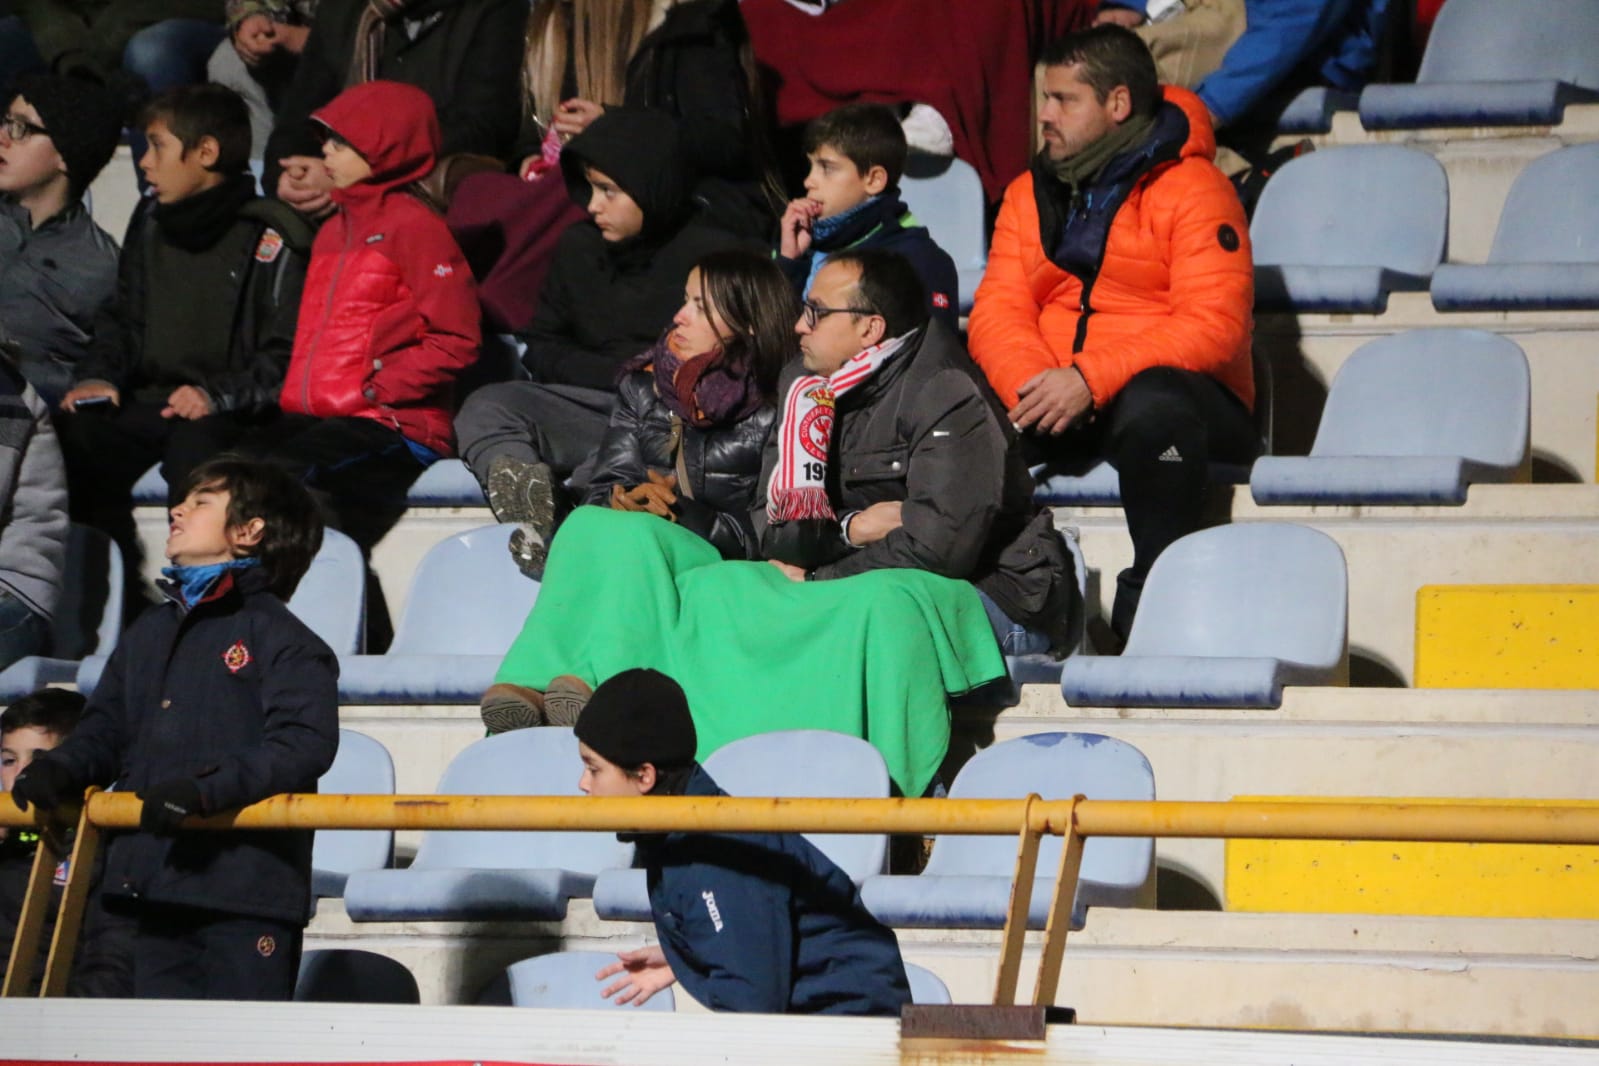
(393, 126)
(1201, 135)
(637, 148)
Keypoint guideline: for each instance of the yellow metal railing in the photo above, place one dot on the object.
(1031, 818)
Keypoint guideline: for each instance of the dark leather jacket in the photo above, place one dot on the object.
(721, 464)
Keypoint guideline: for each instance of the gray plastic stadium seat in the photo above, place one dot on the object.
(362, 767)
(1339, 229)
(967, 882)
(797, 762)
(1228, 617)
(946, 195)
(350, 976)
(151, 488)
(1312, 110)
(495, 875)
(927, 988)
(565, 980)
(1489, 63)
(87, 620)
(448, 644)
(1545, 255)
(446, 483)
(1412, 418)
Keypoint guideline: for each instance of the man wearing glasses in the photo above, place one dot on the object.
(58, 269)
(893, 453)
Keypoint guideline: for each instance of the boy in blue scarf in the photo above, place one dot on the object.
(213, 700)
(851, 200)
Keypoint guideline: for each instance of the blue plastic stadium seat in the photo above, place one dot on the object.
(1545, 255)
(1339, 229)
(799, 762)
(446, 483)
(565, 980)
(361, 768)
(927, 988)
(449, 643)
(946, 196)
(967, 882)
(495, 875)
(151, 488)
(1494, 64)
(1412, 418)
(87, 620)
(350, 976)
(1228, 617)
(1313, 109)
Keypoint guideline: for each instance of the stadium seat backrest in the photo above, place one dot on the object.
(349, 976)
(810, 763)
(1490, 40)
(1056, 766)
(1251, 589)
(565, 979)
(1552, 212)
(927, 987)
(362, 767)
(467, 598)
(1355, 205)
(89, 616)
(1445, 392)
(526, 762)
(331, 598)
(946, 196)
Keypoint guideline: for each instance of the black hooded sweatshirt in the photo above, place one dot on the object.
(606, 301)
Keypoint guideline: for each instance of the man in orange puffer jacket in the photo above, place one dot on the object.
(1114, 317)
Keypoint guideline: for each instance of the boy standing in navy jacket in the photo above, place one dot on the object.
(214, 700)
(758, 922)
(851, 201)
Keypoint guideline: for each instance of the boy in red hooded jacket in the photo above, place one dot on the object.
(388, 319)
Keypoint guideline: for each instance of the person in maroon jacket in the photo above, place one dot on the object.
(388, 319)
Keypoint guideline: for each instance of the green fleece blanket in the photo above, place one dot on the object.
(872, 655)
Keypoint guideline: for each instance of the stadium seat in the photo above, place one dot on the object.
(1339, 229)
(967, 882)
(447, 483)
(797, 762)
(448, 645)
(1492, 64)
(927, 988)
(946, 196)
(151, 488)
(350, 976)
(1412, 418)
(87, 620)
(362, 767)
(1228, 617)
(495, 875)
(1545, 255)
(1312, 110)
(331, 599)
(565, 980)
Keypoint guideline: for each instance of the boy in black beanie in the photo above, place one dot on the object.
(754, 922)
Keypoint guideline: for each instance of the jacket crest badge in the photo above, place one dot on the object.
(443, 270)
(236, 658)
(269, 247)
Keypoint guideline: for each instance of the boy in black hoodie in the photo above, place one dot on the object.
(196, 343)
(614, 284)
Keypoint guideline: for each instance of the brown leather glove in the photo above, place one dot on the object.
(622, 500)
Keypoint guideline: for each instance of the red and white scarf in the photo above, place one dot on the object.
(798, 487)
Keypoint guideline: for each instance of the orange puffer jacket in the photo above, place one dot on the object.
(1175, 286)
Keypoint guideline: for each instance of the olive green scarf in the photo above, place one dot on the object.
(1082, 168)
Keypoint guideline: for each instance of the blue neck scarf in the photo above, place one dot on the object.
(823, 230)
(194, 583)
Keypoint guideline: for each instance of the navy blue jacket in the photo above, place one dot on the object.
(889, 226)
(238, 695)
(765, 923)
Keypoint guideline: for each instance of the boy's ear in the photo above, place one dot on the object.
(876, 180)
(646, 778)
(208, 151)
(247, 534)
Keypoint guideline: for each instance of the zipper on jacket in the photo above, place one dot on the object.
(327, 311)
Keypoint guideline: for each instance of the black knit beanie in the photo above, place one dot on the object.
(636, 717)
(84, 120)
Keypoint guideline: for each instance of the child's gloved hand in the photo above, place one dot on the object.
(657, 495)
(45, 784)
(167, 804)
(622, 500)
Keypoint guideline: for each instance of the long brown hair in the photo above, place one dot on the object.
(758, 305)
(604, 36)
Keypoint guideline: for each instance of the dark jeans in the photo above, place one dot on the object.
(22, 633)
(185, 953)
(1161, 432)
(357, 468)
(561, 425)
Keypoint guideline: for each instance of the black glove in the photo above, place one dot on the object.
(167, 804)
(44, 784)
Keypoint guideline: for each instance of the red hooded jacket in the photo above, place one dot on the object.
(389, 317)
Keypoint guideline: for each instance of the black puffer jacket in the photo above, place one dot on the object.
(721, 463)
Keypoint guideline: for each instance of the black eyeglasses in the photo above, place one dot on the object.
(814, 312)
(20, 129)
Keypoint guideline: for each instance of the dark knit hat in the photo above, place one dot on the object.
(639, 716)
(84, 120)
